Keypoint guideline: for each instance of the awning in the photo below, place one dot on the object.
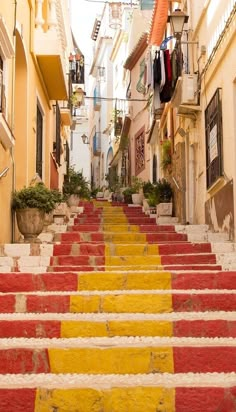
(137, 52)
(159, 20)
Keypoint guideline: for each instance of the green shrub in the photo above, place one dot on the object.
(76, 184)
(37, 196)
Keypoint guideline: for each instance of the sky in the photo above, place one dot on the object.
(83, 14)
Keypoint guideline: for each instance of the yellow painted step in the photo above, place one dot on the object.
(114, 360)
(114, 219)
(121, 303)
(139, 267)
(112, 227)
(132, 260)
(111, 328)
(125, 237)
(131, 399)
(132, 249)
(124, 281)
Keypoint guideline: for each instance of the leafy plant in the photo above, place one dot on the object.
(37, 196)
(152, 199)
(148, 188)
(164, 191)
(127, 193)
(166, 154)
(136, 184)
(76, 184)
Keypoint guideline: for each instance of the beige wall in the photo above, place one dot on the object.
(25, 86)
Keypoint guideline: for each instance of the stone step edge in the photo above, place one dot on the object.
(103, 317)
(115, 342)
(121, 292)
(166, 380)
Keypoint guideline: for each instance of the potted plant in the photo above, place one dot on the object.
(150, 197)
(164, 194)
(127, 194)
(136, 185)
(75, 187)
(31, 204)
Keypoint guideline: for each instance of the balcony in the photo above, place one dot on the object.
(97, 144)
(66, 114)
(48, 49)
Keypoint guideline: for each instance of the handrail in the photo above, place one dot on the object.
(3, 173)
(176, 184)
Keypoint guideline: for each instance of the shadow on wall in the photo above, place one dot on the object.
(219, 211)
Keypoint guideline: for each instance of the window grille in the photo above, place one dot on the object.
(213, 133)
(139, 152)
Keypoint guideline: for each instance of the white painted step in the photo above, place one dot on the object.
(66, 381)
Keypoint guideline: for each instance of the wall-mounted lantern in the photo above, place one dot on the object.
(115, 15)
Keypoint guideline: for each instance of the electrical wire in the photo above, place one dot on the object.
(116, 98)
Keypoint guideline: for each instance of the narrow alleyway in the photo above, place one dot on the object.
(128, 316)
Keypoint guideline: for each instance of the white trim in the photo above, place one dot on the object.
(7, 45)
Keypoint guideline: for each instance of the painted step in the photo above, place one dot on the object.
(126, 267)
(106, 325)
(151, 393)
(116, 257)
(120, 280)
(119, 302)
(116, 355)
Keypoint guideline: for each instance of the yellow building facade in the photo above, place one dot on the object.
(35, 40)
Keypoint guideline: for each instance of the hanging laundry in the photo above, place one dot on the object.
(166, 92)
(149, 80)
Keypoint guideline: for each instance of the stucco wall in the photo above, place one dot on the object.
(219, 211)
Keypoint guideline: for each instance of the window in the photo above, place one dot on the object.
(58, 135)
(39, 143)
(139, 152)
(2, 89)
(213, 132)
(154, 169)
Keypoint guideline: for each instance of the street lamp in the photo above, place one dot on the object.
(177, 19)
(85, 139)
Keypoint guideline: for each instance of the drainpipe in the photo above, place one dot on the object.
(12, 121)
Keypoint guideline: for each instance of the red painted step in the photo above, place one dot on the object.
(183, 248)
(83, 248)
(188, 259)
(84, 228)
(166, 237)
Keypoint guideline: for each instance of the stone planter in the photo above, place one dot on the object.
(73, 203)
(137, 198)
(73, 200)
(164, 209)
(30, 223)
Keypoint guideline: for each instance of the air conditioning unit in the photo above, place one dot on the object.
(189, 89)
(186, 91)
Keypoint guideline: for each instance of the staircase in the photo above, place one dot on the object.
(118, 314)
